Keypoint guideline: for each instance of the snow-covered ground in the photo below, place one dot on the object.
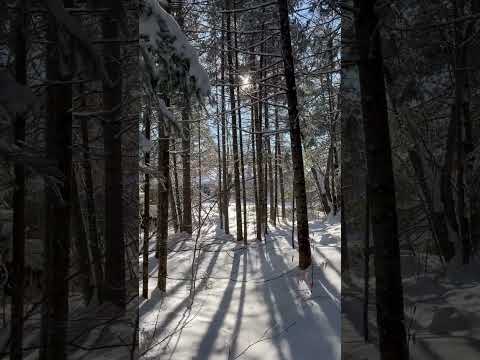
(250, 302)
(441, 309)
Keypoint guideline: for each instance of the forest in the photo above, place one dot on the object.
(225, 179)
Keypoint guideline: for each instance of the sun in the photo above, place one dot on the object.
(245, 81)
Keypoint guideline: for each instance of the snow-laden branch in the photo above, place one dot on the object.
(74, 28)
(168, 56)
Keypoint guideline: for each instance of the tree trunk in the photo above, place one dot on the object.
(321, 193)
(233, 112)
(242, 162)
(471, 135)
(353, 163)
(18, 251)
(173, 207)
(254, 171)
(366, 274)
(95, 249)
(270, 170)
(176, 189)
(83, 256)
(225, 192)
(381, 191)
(462, 121)
(186, 165)
(162, 204)
(281, 162)
(146, 212)
(276, 167)
(293, 219)
(295, 139)
(58, 202)
(112, 100)
(220, 179)
(259, 162)
(333, 159)
(326, 180)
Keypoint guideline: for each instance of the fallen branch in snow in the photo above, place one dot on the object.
(177, 330)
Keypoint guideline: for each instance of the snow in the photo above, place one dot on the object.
(441, 310)
(250, 302)
(166, 40)
(94, 332)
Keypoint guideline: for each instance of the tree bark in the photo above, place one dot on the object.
(276, 167)
(353, 162)
(254, 171)
(462, 121)
(322, 194)
(225, 192)
(115, 291)
(270, 170)
(233, 113)
(366, 274)
(242, 161)
(381, 190)
(58, 202)
(173, 207)
(95, 249)
(176, 189)
(220, 179)
(259, 162)
(162, 204)
(146, 212)
(81, 244)
(18, 251)
(281, 162)
(295, 139)
(186, 165)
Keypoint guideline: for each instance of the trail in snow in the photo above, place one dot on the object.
(250, 302)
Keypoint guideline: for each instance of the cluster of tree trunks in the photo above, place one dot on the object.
(70, 239)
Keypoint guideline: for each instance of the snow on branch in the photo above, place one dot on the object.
(74, 28)
(168, 57)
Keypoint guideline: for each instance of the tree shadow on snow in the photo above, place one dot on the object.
(315, 318)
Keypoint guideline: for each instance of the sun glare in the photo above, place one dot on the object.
(245, 81)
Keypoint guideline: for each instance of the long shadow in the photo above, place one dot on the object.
(318, 270)
(181, 282)
(271, 305)
(151, 305)
(282, 301)
(206, 345)
(178, 330)
(238, 322)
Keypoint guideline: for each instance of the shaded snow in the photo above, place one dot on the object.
(441, 310)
